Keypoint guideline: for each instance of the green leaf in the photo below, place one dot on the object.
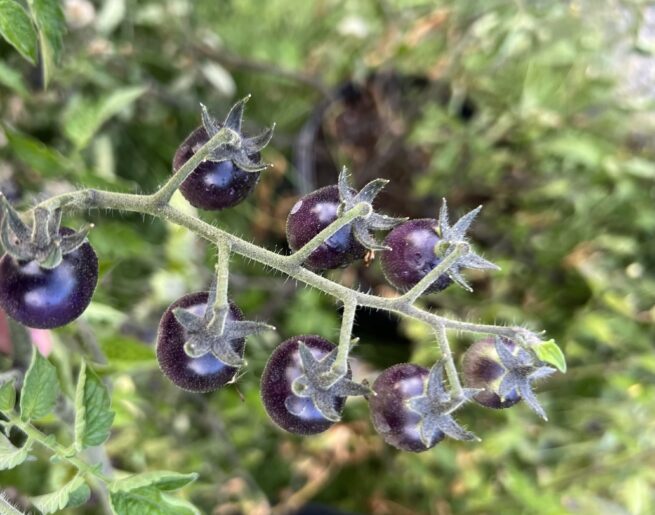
(11, 456)
(49, 19)
(93, 416)
(79, 496)
(161, 479)
(13, 80)
(7, 396)
(40, 388)
(549, 352)
(149, 501)
(83, 117)
(75, 490)
(37, 155)
(16, 27)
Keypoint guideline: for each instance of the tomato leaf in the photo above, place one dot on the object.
(7, 396)
(40, 388)
(16, 27)
(162, 479)
(49, 19)
(149, 501)
(11, 456)
(75, 490)
(93, 416)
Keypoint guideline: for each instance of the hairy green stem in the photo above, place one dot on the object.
(223, 138)
(221, 306)
(362, 209)
(57, 449)
(340, 366)
(461, 248)
(449, 364)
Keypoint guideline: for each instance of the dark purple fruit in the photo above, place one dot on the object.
(309, 216)
(392, 418)
(292, 413)
(205, 373)
(212, 185)
(482, 368)
(46, 298)
(412, 255)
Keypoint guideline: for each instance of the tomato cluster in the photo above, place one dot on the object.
(48, 276)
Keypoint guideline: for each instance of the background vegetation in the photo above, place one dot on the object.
(534, 108)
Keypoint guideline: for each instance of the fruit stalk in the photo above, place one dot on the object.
(362, 209)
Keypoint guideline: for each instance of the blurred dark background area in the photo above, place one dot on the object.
(541, 111)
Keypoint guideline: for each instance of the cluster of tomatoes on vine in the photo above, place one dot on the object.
(49, 273)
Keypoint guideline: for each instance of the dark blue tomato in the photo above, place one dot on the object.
(46, 298)
(412, 255)
(392, 418)
(481, 368)
(309, 216)
(212, 185)
(292, 413)
(204, 374)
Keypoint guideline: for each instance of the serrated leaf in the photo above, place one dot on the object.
(83, 117)
(17, 28)
(161, 479)
(7, 396)
(40, 388)
(11, 456)
(55, 501)
(50, 22)
(149, 501)
(549, 352)
(93, 416)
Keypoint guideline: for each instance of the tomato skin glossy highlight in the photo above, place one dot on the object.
(201, 375)
(294, 414)
(481, 368)
(309, 216)
(47, 298)
(392, 418)
(412, 255)
(212, 185)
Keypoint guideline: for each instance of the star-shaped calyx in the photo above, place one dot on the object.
(319, 383)
(373, 221)
(453, 234)
(240, 149)
(44, 242)
(215, 331)
(436, 406)
(521, 369)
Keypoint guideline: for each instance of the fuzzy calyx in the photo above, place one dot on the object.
(312, 383)
(363, 226)
(436, 406)
(521, 369)
(238, 149)
(43, 242)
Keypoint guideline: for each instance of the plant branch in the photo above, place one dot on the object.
(224, 138)
(461, 248)
(63, 453)
(451, 370)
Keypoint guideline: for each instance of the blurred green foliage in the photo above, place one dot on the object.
(552, 141)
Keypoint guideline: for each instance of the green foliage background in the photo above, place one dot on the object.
(559, 150)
